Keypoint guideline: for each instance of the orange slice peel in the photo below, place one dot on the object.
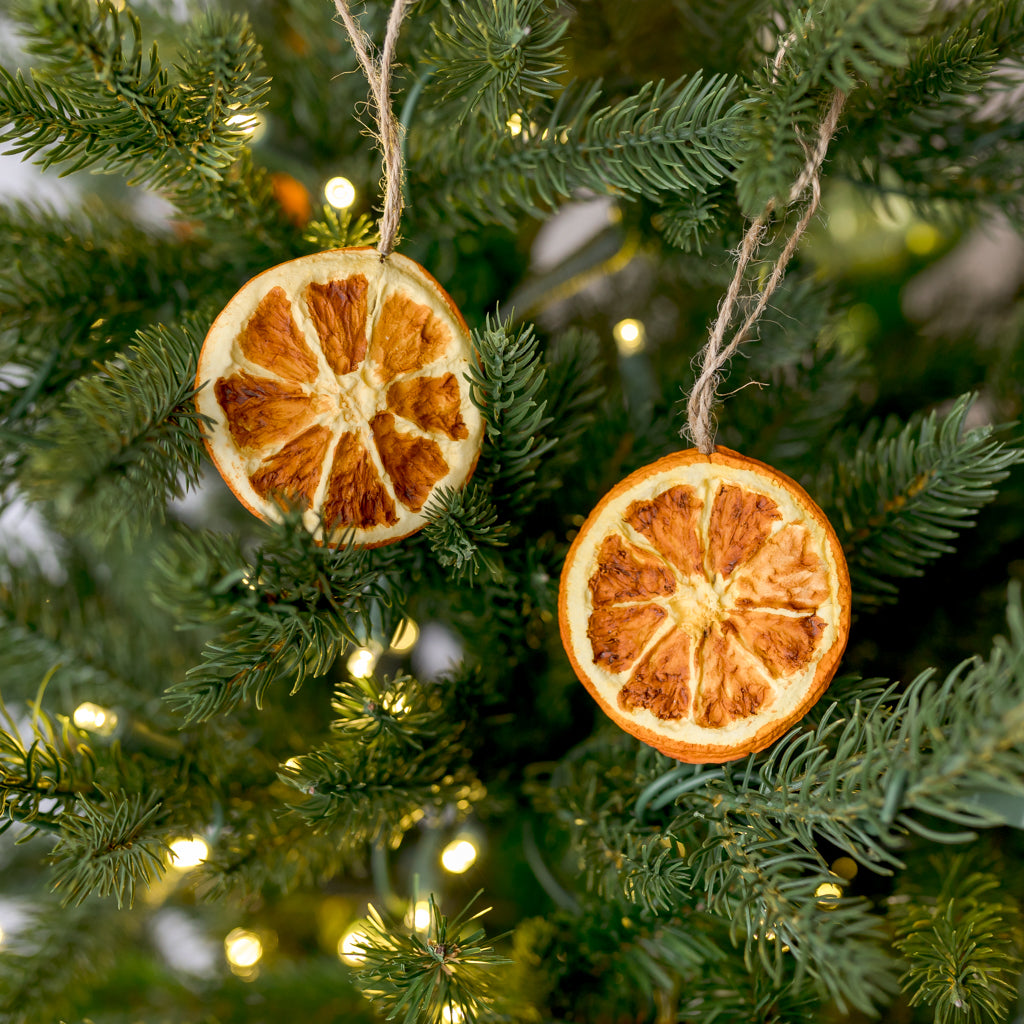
(705, 605)
(337, 382)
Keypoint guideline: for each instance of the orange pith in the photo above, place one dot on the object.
(705, 604)
(337, 382)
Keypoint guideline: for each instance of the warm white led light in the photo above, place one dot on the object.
(514, 124)
(362, 661)
(340, 193)
(418, 916)
(94, 718)
(350, 947)
(188, 853)
(629, 336)
(405, 636)
(248, 124)
(453, 1014)
(458, 856)
(243, 948)
(827, 892)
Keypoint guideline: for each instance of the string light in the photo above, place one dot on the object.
(340, 193)
(458, 856)
(94, 718)
(453, 1014)
(418, 916)
(243, 949)
(405, 636)
(629, 336)
(362, 661)
(350, 946)
(252, 125)
(514, 124)
(395, 705)
(188, 853)
(827, 893)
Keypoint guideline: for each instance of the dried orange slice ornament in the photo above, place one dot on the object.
(337, 381)
(705, 604)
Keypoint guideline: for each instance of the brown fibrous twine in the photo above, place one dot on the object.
(377, 69)
(700, 405)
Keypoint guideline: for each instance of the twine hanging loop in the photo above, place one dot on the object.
(377, 68)
(716, 354)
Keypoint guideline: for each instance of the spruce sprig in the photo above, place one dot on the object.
(446, 974)
(126, 440)
(287, 611)
(900, 501)
(506, 384)
(499, 59)
(172, 131)
(463, 530)
(959, 945)
(667, 138)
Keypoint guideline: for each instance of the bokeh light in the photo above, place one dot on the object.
(340, 193)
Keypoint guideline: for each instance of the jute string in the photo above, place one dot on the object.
(716, 354)
(377, 69)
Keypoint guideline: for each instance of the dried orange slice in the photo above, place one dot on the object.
(337, 381)
(705, 604)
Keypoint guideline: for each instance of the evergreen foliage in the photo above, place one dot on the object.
(250, 674)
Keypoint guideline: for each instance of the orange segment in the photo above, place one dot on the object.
(261, 412)
(625, 573)
(432, 403)
(360, 434)
(785, 573)
(414, 464)
(272, 339)
(671, 523)
(732, 686)
(338, 312)
(741, 519)
(406, 337)
(619, 635)
(661, 681)
(710, 636)
(355, 494)
(783, 643)
(295, 470)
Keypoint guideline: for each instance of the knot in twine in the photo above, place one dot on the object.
(713, 358)
(389, 131)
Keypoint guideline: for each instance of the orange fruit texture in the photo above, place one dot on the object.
(337, 382)
(705, 605)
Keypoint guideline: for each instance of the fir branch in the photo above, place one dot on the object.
(288, 611)
(499, 59)
(399, 713)
(687, 222)
(447, 974)
(110, 848)
(463, 531)
(336, 230)
(126, 440)
(830, 45)
(667, 138)
(368, 794)
(505, 383)
(172, 134)
(900, 501)
(959, 944)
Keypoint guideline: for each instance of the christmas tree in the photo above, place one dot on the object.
(249, 776)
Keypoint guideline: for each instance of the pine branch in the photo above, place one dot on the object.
(900, 501)
(961, 955)
(664, 139)
(499, 59)
(100, 101)
(463, 531)
(336, 230)
(397, 714)
(447, 974)
(287, 611)
(126, 440)
(110, 848)
(831, 45)
(506, 383)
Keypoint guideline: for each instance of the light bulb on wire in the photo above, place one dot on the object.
(188, 852)
(94, 718)
(630, 336)
(350, 946)
(459, 856)
(340, 193)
